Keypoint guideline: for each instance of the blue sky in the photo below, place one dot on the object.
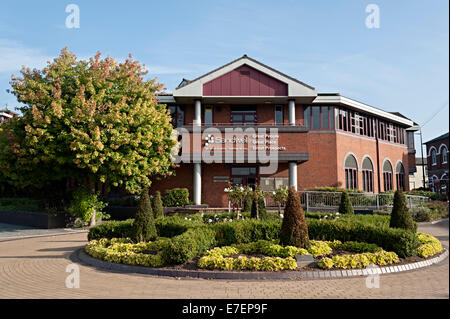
(402, 66)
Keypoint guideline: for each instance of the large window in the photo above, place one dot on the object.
(367, 173)
(351, 172)
(279, 114)
(245, 176)
(243, 115)
(177, 114)
(208, 115)
(410, 140)
(400, 176)
(387, 176)
(319, 117)
(433, 157)
(444, 151)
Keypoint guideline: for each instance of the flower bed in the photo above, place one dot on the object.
(250, 244)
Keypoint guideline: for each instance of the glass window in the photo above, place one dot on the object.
(332, 119)
(279, 114)
(307, 116)
(208, 115)
(177, 116)
(325, 117)
(433, 157)
(316, 117)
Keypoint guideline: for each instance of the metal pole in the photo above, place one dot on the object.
(307, 200)
(421, 152)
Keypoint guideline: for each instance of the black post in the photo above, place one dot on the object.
(421, 152)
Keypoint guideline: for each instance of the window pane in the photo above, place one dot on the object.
(306, 116)
(249, 118)
(316, 117)
(208, 115)
(236, 118)
(331, 110)
(278, 115)
(325, 118)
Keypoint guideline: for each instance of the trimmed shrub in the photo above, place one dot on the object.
(157, 206)
(186, 246)
(262, 209)
(294, 230)
(401, 241)
(400, 216)
(254, 212)
(112, 229)
(247, 204)
(346, 205)
(176, 225)
(246, 231)
(177, 197)
(144, 223)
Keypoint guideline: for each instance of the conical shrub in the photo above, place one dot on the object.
(294, 230)
(262, 209)
(144, 223)
(157, 206)
(254, 212)
(247, 203)
(345, 206)
(400, 216)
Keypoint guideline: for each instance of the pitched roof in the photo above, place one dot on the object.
(186, 82)
(443, 136)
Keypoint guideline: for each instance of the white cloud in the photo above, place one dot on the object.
(13, 55)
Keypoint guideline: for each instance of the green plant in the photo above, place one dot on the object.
(402, 242)
(345, 206)
(380, 258)
(157, 206)
(400, 216)
(112, 229)
(186, 246)
(144, 223)
(86, 206)
(280, 196)
(176, 197)
(429, 245)
(294, 230)
(247, 207)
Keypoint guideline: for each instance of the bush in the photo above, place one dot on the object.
(84, 204)
(346, 205)
(177, 197)
(400, 216)
(247, 203)
(186, 246)
(401, 241)
(246, 231)
(431, 195)
(176, 225)
(157, 206)
(429, 245)
(429, 211)
(380, 258)
(112, 229)
(294, 230)
(144, 223)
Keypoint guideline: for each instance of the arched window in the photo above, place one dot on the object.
(433, 183)
(400, 176)
(367, 174)
(351, 172)
(387, 176)
(443, 150)
(433, 157)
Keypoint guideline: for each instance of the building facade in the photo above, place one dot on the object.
(419, 178)
(6, 115)
(437, 162)
(246, 123)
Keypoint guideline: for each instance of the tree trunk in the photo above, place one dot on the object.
(279, 209)
(93, 218)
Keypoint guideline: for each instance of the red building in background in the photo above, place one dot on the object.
(437, 162)
(318, 139)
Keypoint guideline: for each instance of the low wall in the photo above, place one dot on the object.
(33, 219)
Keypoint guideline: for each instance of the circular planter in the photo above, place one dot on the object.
(252, 275)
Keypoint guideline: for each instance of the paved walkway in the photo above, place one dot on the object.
(8, 231)
(36, 268)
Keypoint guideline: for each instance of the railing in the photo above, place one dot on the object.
(331, 200)
(244, 124)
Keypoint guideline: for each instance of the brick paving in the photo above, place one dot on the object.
(36, 268)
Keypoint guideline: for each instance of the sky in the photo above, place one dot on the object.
(402, 66)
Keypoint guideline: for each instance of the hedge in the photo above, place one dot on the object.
(186, 246)
(400, 241)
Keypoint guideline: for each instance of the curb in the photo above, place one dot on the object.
(306, 275)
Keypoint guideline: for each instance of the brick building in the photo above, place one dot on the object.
(6, 115)
(437, 161)
(236, 121)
